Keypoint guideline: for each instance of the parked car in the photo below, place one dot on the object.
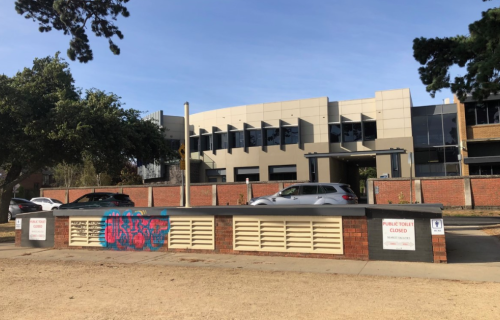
(18, 205)
(310, 193)
(99, 199)
(47, 203)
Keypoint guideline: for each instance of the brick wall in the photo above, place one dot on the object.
(389, 191)
(108, 189)
(55, 194)
(265, 189)
(138, 195)
(439, 249)
(61, 230)
(485, 192)
(483, 131)
(166, 196)
(77, 193)
(355, 231)
(201, 195)
(448, 192)
(230, 193)
(18, 238)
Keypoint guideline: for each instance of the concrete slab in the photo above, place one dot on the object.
(9, 251)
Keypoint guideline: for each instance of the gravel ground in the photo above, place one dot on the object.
(76, 290)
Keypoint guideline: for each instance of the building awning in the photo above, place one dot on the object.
(356, 153)
(474, 160)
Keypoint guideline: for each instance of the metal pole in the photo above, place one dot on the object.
(188, 154)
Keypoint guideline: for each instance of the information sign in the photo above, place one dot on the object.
(398, 234)
(437, 227)
(38, 229)
(19, 223)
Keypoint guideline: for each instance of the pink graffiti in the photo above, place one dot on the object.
(132, 231)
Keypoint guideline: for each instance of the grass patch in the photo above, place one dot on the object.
(471, 213)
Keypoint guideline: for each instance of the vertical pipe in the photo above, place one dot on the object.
(187, 153)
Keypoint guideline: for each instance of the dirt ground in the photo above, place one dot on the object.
(7, 232)
(471, 213)
(76, 290)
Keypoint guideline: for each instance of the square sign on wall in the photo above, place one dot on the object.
(19, 223)
(437, 227)
(38, 229)
(398, 234)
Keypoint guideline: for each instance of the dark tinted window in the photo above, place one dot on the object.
(481, 114)
(84, 199)
(347, 189)
(334, 133)
(329, 189)
(450, 128)
(370, 130)
(17, 201)
(206, 143)
(470, 114)
(451, 154)
(420, 132)
(493, 115)
(309, 189)
(193, 144)
(435, 127)
(290, 191)
(255, 138)
(237, 139)
(273, 137)
(291, 135)
(122, 197)
(351, 132)
(495, 169)
(100, 197)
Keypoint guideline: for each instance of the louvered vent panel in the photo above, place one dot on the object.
(191, 233)
(288, 234)
(87, 232)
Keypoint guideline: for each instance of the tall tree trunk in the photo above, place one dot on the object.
(5, 196)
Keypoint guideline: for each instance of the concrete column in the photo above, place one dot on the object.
(92, 190)
(41, 192)
(150, 196)
(66, 196)
(249, 192)
(370, 192)
(214, 194)
(281, 186)
(182, 196)
(121, 190)
(418, 191)
(467, 193)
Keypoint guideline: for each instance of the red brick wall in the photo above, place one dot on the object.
(264, 189)
(108, 189)
(224, 234)
(138, 195)
(485, 192)
(439, 249)
(77, 193)
(355, 231)
(389, 190)
(18, 238)
(230, 193)
(166, 196)
(55, 194)
(61, 232)
(449, 192)
(201, 195)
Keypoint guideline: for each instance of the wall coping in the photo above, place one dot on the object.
(403, 211)
(436, 178)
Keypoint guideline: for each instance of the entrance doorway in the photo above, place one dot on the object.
(354, 170)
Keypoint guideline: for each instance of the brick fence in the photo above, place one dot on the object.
(453, 192)
(202, 194)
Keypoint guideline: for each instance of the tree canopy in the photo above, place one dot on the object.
(45, 120)
(478, 52)
(73, 17)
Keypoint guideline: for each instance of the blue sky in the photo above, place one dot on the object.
(224, 53)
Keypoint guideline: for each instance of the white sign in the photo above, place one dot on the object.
(398, 234)
(437, 227)
(38, 229)
(248, 181)
(19, 223)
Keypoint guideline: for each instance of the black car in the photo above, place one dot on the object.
(99, 199)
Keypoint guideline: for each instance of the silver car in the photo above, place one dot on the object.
(18, 205)
(310, 193)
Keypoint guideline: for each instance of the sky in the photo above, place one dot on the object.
(225, 53)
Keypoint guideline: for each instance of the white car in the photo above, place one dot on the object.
(47, 203)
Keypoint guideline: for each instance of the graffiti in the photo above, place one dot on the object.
(131, 230)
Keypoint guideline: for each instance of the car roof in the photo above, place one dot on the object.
(320, 184)
(104, 193)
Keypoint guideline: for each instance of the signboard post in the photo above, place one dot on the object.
(398, 234)
(38, 229)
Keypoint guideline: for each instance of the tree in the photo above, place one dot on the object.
(72, 16)
(44, 121)
(66, 174)
(479, 52)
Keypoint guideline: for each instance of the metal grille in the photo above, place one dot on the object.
(191, 233)
(87, 232)
(288, 234)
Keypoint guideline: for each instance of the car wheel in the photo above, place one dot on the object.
(9, 217)
(55, 208)
(262, 204)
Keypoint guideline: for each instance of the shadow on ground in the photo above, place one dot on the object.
(471, 245)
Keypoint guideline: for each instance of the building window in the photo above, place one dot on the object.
(436, 161)
(254, 138)
(273, 137)
(237, 139)
(477, 113)
(291, 135)
(395, 166)
(288, 172)
(241, 174)
(435, 130)
(206, 142)
(335, 133)
(193, 144)
(484, 169)
(220, 141)
(351, 131)
(370, 130)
